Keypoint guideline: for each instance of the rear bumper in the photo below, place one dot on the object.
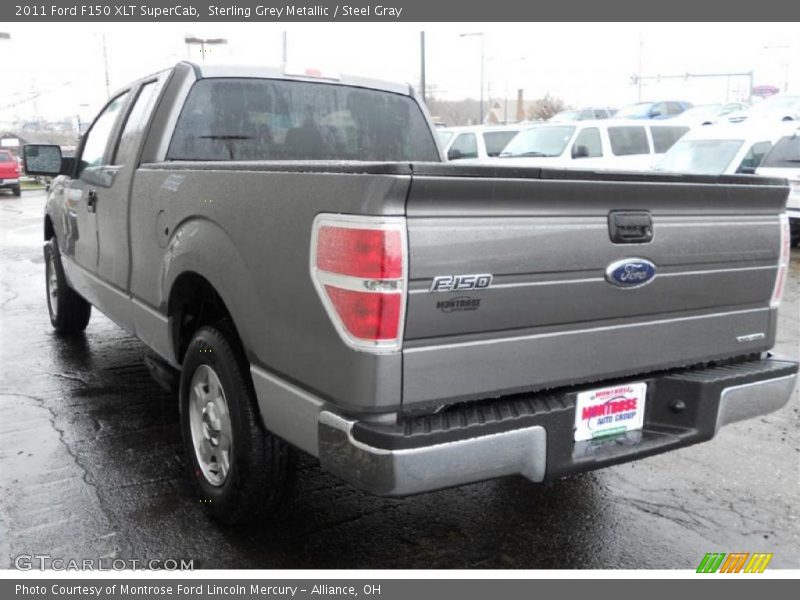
(532, 435)
(4, 183)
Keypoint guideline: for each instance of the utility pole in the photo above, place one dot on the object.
(105, 66)
(422, 66)
(639, 72)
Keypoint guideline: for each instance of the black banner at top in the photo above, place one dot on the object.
(395, 11)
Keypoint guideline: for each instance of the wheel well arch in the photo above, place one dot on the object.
(49, 230)
(194, 303)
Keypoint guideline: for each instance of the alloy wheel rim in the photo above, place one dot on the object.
(210, 424)
(52, 286)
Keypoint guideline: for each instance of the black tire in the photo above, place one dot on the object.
(69, 312)
(261, 467)
(17, 191)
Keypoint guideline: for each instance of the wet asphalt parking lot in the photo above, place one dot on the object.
(91, 466)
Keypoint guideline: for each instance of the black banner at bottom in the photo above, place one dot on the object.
(383, 589)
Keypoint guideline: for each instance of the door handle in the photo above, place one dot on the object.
(91, 201)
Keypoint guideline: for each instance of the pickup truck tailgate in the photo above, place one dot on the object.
(551, 317)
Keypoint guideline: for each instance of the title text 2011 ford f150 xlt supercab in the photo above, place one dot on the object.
(295, 249)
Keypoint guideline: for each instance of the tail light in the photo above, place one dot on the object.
(783, 262)
(359, 266)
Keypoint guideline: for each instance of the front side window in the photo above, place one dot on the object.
(674, 108)
(665, 137)
(627, 140)
(785, 153)
(754, 156)
(94, 148)
(265, 119)
(588, 144)
(465, 146)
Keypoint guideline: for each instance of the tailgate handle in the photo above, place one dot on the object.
(630, 227)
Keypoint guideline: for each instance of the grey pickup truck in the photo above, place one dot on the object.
(311, 275)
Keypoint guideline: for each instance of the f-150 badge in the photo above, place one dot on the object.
(460, 283)
(630, 272)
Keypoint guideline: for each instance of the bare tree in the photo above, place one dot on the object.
(544, 108)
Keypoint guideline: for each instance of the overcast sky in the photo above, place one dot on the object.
(584, 63)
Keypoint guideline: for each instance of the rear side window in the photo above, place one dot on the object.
(628, 140)
(135, 124)
(496, 141)
(465, 146)
(264, 119)
(785, 153)
(665, 137)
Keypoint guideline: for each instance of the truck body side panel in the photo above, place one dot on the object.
(257, 252)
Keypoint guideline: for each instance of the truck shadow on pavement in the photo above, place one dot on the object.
(123, 429)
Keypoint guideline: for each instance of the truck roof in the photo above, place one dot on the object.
(205, 71)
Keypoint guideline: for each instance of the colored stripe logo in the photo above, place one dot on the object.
(734, 562)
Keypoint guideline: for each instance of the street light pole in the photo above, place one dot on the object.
(105, 66)
(482, 36)
(203, 42)
(639, 73)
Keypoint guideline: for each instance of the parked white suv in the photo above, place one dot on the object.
(784, 161)
(722, 149)
(604, 144)
(477, 142)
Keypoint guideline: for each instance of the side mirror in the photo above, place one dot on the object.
(580, 152)
(43, 159)
(655, 113)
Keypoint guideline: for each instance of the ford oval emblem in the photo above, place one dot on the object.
(630, 272)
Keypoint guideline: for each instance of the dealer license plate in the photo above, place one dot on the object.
(609, 411)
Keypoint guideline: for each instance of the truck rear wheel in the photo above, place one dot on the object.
(69, 312)
(240, 470)
(17, 191)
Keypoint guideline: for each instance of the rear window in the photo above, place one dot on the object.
(6, 157)
(496, 141)
(628, 140)
(785, 153)
(665, 137)
(263, 119)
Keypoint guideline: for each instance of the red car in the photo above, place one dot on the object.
(9, 172)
